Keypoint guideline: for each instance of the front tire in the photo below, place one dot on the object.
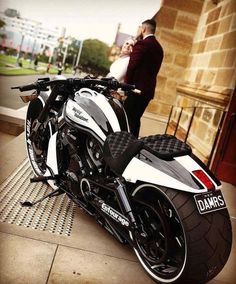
(37, 149)
(182, 245)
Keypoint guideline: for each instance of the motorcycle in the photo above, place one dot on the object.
(151, 193)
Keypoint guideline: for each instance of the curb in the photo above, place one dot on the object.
(12, 121)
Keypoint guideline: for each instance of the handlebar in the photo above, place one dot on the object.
(111, 83)
(26, 87)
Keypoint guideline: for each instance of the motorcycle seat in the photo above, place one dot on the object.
(119, 149)
(165, 146)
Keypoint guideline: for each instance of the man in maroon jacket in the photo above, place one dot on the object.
(144, 64)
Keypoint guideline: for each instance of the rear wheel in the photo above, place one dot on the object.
(180, 245)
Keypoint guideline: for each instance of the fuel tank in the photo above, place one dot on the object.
(96, 114)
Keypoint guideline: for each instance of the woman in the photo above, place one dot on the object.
(119, 67)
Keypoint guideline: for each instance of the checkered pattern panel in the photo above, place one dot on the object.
(118, 142)
(166, 145)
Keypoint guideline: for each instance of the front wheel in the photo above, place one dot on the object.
(180, 245)
(37, 149)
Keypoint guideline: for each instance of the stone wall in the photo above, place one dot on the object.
(198, 74)
(212, 62)
(209, 79)
(176, 27)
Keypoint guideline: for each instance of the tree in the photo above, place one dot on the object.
(94, 57)
(2, 33)
(72, 52)
(2, 23)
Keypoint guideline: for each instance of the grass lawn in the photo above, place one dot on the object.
(9, 66)
(4, 60)
(20, 71)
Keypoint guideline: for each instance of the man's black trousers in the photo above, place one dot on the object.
(135, 106)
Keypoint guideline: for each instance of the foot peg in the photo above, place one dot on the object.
(43, 178)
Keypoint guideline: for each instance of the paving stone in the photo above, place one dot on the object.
(78, 266)
(23, 260)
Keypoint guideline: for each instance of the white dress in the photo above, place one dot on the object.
(118, 68)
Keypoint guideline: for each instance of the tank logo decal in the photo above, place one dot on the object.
(78, 114)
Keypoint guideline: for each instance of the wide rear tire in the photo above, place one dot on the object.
(190, 248)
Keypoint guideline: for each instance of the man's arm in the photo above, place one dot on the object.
(136, 57)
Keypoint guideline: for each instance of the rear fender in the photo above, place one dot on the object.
(171, 174)
(138, 170)
(192, 164)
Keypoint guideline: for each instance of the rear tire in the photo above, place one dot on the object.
(194, 248)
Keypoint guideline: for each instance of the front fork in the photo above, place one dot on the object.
(35, 127)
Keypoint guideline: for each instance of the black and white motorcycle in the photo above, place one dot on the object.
(151, 193)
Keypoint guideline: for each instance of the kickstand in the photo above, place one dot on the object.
(51, 194)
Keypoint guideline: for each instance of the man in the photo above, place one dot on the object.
(144, 64)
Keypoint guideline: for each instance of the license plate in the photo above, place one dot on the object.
(210, 201)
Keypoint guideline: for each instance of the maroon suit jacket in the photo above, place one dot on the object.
(144, 64)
